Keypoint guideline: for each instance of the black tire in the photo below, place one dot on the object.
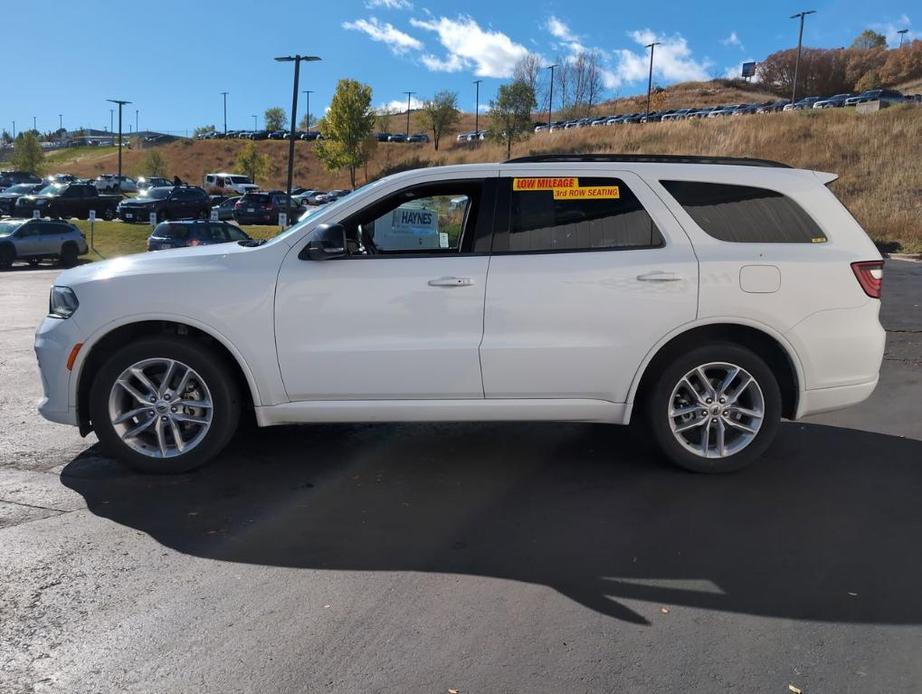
(69, 254)
(33, 262)
(213, 370)
(7, 255)
(657, 405)
(108, 214)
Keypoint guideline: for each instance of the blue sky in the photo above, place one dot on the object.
(172, 59)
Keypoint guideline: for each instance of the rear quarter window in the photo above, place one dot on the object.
(744, 214)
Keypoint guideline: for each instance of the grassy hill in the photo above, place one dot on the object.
(878, 156)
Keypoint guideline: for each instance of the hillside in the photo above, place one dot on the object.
(878, 156)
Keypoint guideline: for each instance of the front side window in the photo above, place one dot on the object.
(744, 214)
(582, 213)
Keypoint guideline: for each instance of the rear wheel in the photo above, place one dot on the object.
(164, 405)
(714, 409)
(108, 214)
(68, 255)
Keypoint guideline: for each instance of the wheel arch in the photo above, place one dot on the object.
(95, 352)
(767, 343)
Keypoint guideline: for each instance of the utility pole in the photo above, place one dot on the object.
(296, 59)
(307, 113)
(120, 103)
(34, 129)
(652, 47)
(800, 41)
(477, 108)
(254, 123)
(409, 94)
(14, 130)
(111, 114)
(224, 94)
(902, 33)
(550, 96)
(136, 128)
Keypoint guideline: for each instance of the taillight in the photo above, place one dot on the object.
(870, 275)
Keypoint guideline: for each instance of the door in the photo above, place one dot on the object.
(400, 316)
(50, 237)
(28, 240)
(589, 271)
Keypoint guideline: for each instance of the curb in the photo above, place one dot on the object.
(911, 257)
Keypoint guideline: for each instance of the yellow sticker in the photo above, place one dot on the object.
(522, 184)
(588, 193)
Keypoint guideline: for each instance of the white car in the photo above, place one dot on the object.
(705, 298)
(112, 183)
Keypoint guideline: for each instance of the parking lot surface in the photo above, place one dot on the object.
(483, 558)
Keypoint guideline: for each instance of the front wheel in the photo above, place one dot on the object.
(164, 404)
(69, 255)
(108, 215)
(714, 409)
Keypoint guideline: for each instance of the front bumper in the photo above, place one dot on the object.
(54, 339)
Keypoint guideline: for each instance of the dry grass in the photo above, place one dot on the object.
(878, 156)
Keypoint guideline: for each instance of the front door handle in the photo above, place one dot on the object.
(452, 282)
(659, 276)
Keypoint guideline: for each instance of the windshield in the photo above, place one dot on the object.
(158, 193)
(240, 179)
(52, 189)
(7, 228)
(20, 188)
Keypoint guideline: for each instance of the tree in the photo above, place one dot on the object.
(870, 80)
(203, 130)
(6, 138)
(510, 113)
(307, 120)
(579, 82)
(27, 153)
(528, 70)
(252, 162)
(153, 164)
(383, 117)
(440, 114)
(869, 39)
(346, 125)
(275, 118)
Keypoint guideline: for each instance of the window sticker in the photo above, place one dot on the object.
(566, 188)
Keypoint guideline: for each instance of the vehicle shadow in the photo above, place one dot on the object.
(826, 527)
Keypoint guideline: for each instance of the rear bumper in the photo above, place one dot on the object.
(828, 399)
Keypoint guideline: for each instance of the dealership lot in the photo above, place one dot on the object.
(483, 558)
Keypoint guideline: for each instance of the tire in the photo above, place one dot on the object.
(69, 254)
(213, 382)
(731, 415)
(108, 214)
(33, 262)
(7, 255)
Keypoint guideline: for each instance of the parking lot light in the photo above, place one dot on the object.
(120, 103)
(409, 94)
(902, 33)
(296, 59)
(477, 106)
(652, 47)
(225, 112)
(550, 95)
(800, 42)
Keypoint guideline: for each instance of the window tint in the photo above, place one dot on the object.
(172, 231)
(573, 214)
(234, 233)
(744, 213)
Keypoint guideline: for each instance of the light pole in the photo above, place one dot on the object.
(307, 113)
(409, 94)
(34, 129)
(652, 47)
(14, 130)
(902, 33)
(120, 103)
(477, 110)
(136, 128)
(254, 123)
(224, 94)
(296, 59)
(550, 96)
(111, 115)
(800, 41)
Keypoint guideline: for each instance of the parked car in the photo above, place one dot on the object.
(317, 197)
(837, 101)
(277, 135)
(887, 97)
(773, 107)
(11, 178)
(228, 183)
(527, 308)
(152, 182)
(175, 202)
(183, 234)
(310, 135)
(108, 183)
(418, 137)
(225, 207)
(10, 195)
(34, 240)
(802, 104)
(261, 207)
(67, 200)
(397, 137)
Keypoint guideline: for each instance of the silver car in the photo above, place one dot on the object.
(33, 240)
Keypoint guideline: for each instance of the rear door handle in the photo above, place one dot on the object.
(451, 282)
(659, 276)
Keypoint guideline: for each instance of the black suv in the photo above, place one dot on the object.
(175, 202)
(193, 233)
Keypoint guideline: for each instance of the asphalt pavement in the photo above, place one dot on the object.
(482, 558)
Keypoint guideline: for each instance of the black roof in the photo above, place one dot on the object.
(646, 159)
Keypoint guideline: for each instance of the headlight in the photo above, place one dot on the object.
(62, 303)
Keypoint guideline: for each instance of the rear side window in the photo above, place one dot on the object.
(745, 214)
(575, 214)
(172, 231)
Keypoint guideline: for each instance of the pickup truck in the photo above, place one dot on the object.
(70, 200)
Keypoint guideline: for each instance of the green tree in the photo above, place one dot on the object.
(440, 114)
(346, 126)
(510, 113)
(252, 162)
(869, 39)
(6, 138)
(869, 80)
(275, 118)
(153, 164)
(203, 130)
(28, 154)
(308, 120)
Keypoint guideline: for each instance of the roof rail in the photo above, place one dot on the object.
(646, 159)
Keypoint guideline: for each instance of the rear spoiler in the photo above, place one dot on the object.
(826, 177)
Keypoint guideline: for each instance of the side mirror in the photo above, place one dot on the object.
(328, 241)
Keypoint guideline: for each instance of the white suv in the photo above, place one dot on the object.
(705, 298)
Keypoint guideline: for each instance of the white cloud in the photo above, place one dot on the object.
(385, 32)
(736, 71)
(672, 61)
(389, 4)
(561, 31)
(889, 30)
(399, 105)
(733, 40)
(489, 53)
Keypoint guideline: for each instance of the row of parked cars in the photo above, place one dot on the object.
(259, 135)
(885, 96)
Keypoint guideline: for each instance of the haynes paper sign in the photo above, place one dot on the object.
(566, 188)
